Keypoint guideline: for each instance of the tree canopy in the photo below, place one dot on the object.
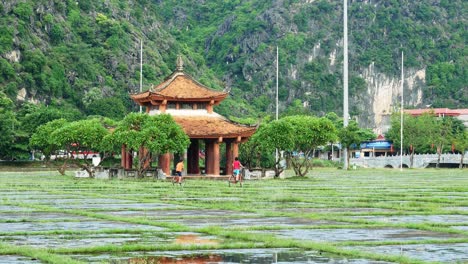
(148, 135)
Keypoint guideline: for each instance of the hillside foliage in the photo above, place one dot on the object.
(71, 59)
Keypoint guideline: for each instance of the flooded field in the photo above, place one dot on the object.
(368, 216)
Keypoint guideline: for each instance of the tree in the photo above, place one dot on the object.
(147, 134)
(353, 135)
(42, 141)
(414, 135)
(277, 135)
(460, 142)
(81, 136)
(111, 107)
(7, 125)
(309, 132)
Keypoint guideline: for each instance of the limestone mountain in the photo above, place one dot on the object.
(83, 55)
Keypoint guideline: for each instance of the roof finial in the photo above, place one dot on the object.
(180, 63)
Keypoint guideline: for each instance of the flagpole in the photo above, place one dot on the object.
(401, 115)
(141, 70)
(345, 77)
(276, 152)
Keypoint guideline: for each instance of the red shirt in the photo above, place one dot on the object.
(236, 165)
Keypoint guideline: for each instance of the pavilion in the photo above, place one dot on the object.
(191, 104)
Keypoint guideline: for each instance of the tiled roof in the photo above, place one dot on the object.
(182, 86)
(438, 111)
(212, 127)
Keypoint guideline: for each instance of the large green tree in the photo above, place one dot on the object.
(309, 133)
(148, 135)
(83, 136)
(416, 134)
(271, 137)
(42, 141)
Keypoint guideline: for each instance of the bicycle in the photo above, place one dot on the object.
(232, 178)
(174, 181)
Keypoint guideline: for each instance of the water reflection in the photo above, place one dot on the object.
(259, 256)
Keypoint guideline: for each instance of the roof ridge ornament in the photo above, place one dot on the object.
(179, 63)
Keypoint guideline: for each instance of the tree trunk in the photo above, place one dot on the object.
(348, 154)
(411, 158)
(439, 153)
(461, 160)
(278, 168)
(63, 168)
(88, 169)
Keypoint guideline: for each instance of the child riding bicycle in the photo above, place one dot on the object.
(236, 166)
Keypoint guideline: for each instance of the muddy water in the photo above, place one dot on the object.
(352, 234)
(443, 253)
(258, 256)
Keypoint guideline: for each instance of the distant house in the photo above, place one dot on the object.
(375, 148)
(461, 114)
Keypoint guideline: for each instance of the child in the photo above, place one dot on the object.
(236, 166)
(179, 170)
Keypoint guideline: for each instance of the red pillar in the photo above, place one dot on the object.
(208, 157)
(216, 158)
(164, 162)
(235, 149)
(229, 158)
(212, 157)
(128, 159)
(193, 157)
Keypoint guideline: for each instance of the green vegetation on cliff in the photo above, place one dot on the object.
(80, 58)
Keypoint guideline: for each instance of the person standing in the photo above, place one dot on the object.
(179, 170)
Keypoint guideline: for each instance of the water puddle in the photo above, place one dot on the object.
(443, 253)
(10, 208)
(77, 241)
(80, 201)
(40, 216)
(117, 206)
(417, 218)
(86, 225)
(94, 240)
(249, 222)
(355, 234)
(337, 210)
(462, 228)
(457, 208)
(214, 199)
(258, 256)
(178, 213)
(10, 259)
